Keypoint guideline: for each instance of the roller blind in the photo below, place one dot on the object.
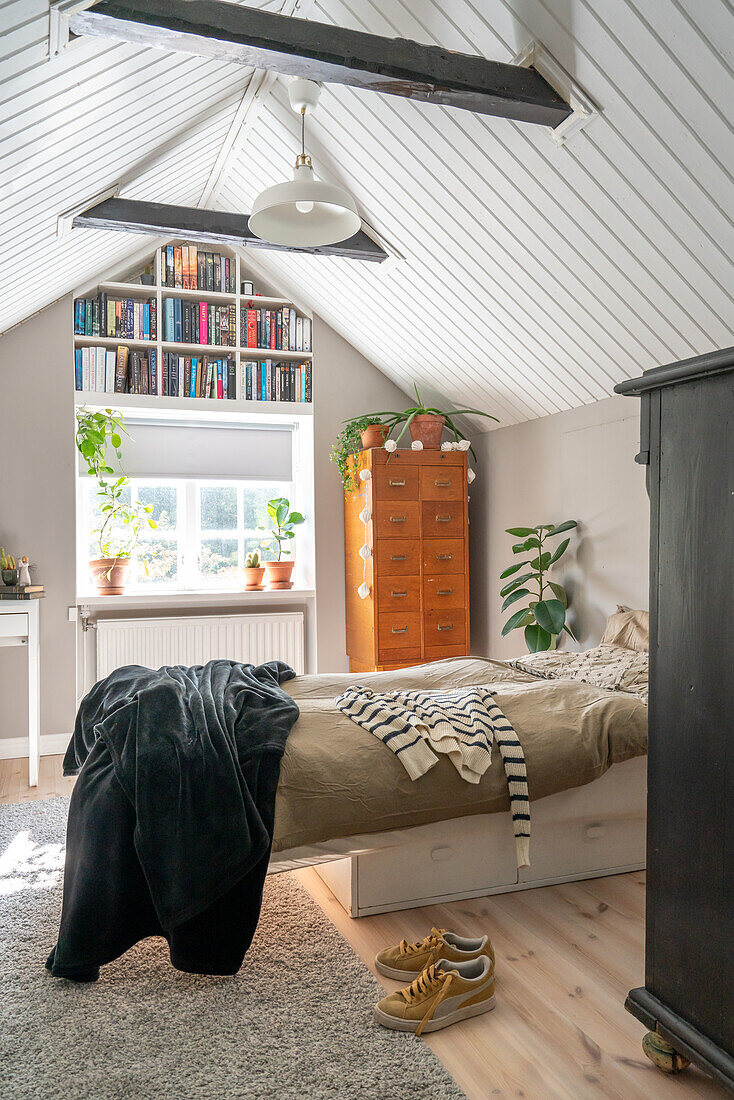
(206, 451)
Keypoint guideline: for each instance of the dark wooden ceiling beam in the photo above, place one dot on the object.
(209, 226)
(318, 51)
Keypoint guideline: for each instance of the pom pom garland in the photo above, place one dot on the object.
(416, 445)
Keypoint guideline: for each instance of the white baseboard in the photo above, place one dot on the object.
(52, 744)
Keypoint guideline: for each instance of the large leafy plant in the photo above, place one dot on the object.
(407, 416)
(349, 442)
(281, 531)
(543, 615)
(118, 532)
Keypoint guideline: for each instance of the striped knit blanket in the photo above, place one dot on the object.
(463, 723)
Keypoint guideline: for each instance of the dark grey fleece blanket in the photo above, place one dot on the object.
(171, 819)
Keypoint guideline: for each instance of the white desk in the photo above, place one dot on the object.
(19, 622)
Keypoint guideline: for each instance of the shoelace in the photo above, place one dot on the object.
(433, 940)
(427, 982)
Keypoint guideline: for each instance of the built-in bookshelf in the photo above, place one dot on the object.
(167, 345)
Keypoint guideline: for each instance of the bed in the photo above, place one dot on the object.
(382, 842)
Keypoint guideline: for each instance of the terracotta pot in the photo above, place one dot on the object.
(428, 428)
(110, 575)
(374, 436)
(279, 573)
(254, 577)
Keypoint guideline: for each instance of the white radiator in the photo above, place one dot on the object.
(194, 641)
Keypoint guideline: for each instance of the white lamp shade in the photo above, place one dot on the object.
(304, 212)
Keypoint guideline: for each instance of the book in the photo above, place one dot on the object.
(78, 376)
(12, 592)
(121, 369)
(185, 271)
(177, 267)
(306, 333)
(231, 380)
(299, 334)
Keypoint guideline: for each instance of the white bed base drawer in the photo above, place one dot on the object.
(594, 830)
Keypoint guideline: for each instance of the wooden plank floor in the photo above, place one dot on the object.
(566, 957)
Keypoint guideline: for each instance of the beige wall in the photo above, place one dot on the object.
(573, 465)
(345, 384)
(37, 507)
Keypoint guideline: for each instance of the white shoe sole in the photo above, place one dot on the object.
(398, 1024)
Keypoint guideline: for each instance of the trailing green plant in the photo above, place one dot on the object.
(347, 443)
(281, 532)
(542, 619)
(407, 416)
(7, 561)
(119, 530)
(252, 560)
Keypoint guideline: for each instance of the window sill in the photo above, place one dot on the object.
(152, 601)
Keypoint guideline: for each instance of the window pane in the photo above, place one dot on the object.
(218, 508)
(219, 558)
(161, 557)
(255, 505)
(164, 499)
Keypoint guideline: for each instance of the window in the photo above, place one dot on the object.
(205, 528)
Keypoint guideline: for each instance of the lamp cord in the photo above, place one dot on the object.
(303, 131)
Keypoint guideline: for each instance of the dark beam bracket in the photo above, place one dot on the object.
(333, 55)
(210, 226)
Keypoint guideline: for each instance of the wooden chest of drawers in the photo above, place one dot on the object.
(418, 567)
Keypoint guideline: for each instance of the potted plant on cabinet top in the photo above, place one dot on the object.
(253, 572)
(424, 422)
(120, 519)
(542, 618)
(8, 567)
(360, 434)
(283, 521)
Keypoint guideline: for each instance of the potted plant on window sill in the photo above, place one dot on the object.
(254, 572)
(283, 521)
(119, 530)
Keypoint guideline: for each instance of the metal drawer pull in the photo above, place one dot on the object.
(400, 630)
(442, 484)
(444, 557)
(448, 626)
(396, 594)
(444, 519)
(397, 484)
(398, 519)
(398, 557)
(444, 591)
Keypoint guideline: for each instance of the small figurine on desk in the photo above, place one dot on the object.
(24, 576)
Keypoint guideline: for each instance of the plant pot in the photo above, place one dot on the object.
(374, 436)
(147, 280)
(254, 578)
(10, 576)
(428, 428)
(110, 575)
(279, 573)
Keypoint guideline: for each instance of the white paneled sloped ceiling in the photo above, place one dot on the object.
(528, 278)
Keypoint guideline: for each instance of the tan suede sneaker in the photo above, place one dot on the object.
(442, 995)
(407, 960)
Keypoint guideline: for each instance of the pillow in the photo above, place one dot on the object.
(613, 667)
(629, 629)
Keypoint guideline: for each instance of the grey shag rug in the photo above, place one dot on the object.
(295, 1022)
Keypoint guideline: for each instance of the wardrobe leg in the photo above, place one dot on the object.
(662, 1054)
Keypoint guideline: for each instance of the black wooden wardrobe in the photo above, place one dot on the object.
(687, 442)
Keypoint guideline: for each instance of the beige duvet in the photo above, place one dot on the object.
(337, 780)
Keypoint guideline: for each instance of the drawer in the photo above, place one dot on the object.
(399, 594)
(443, 483)
(441, 518)
(443, 556)
(441, 652)
(394, 519)
(398, 630)
(440, 592)
(14, 625)
(393, 483)
(398, 557)
(445, 628)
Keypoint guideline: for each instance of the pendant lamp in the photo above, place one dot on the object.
(304, 212)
